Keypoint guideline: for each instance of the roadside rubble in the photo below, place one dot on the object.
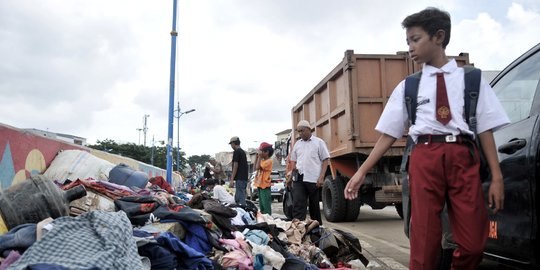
(121, 227)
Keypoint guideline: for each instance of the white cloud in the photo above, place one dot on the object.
(493, 42)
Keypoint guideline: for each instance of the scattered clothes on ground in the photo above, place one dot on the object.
(103, 240)
(201, 234)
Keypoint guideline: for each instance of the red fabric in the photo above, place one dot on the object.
(443, 113)
(437, 171)
(160, 182)
(110, 190)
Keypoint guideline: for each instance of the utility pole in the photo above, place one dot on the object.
(139, 130)
(145, 126)
(152, 158)
(154, 149)
(171, 95)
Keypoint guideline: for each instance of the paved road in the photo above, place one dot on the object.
(381, 236)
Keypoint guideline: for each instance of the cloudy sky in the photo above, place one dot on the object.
(95, 68)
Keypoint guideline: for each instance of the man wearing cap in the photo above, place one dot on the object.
(239, 171)
(309, 160)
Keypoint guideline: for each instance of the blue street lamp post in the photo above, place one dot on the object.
(171, 96)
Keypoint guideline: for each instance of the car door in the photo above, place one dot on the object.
(513, 231)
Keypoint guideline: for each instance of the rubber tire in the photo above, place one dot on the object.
(334, 204)
(353, 206)
(399, 209)
(280, 198)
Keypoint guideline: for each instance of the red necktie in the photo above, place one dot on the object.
(443, 108)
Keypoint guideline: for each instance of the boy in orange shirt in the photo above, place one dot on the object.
(263, 165)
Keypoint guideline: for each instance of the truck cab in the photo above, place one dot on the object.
(513, 236)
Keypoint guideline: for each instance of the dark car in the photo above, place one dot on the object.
(513, 236)
(277, 188)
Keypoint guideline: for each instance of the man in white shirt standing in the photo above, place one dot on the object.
(219, 192)
(309, 160)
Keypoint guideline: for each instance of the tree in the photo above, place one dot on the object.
(201, 160)
(140, 152)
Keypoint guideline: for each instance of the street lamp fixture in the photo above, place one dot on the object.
(179, 113)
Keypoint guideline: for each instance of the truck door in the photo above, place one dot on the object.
(513, 231)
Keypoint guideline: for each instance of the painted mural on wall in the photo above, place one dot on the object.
(24, 154)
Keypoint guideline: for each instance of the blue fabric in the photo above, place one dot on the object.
(240, 194)
(246, 217)
(20, 238)
(258, 237)
(258, 262)
(160, 257)
(187, 257)
(293, 262)
(196, 237)
(47, 266)
(141, 233)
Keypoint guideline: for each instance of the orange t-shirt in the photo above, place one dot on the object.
(263, 175)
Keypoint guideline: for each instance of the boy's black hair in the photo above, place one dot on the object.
(268, 149)
(210, 182)
(431, 20)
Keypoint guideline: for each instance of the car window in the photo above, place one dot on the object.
(517, 88)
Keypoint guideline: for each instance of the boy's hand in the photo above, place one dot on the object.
(351, 190)
(320, 182)
(496, 195)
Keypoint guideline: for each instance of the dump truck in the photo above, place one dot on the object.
(343, 109)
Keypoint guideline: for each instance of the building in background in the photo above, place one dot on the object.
(59, 136)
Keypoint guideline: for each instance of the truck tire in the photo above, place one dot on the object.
(399, 209)
(334, 204)
(353, 206)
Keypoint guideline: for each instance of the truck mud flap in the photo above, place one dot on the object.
(334, 203)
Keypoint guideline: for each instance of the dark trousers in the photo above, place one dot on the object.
(302, 193)
(439, 173)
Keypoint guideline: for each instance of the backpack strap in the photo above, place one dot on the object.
(411, 101)
(411, 95)
(472, 90)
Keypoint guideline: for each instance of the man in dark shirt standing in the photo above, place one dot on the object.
(239, 171)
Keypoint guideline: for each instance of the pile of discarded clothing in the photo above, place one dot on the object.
(118, 227)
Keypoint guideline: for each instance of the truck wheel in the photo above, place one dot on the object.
(334, 204)
(399, 209)
(353, 206)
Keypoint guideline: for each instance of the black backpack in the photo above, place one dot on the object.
(472, 90)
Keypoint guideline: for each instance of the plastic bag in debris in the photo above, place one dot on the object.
(77, 164)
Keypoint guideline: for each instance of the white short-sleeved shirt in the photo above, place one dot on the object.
(309, 156)
(489, 112)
